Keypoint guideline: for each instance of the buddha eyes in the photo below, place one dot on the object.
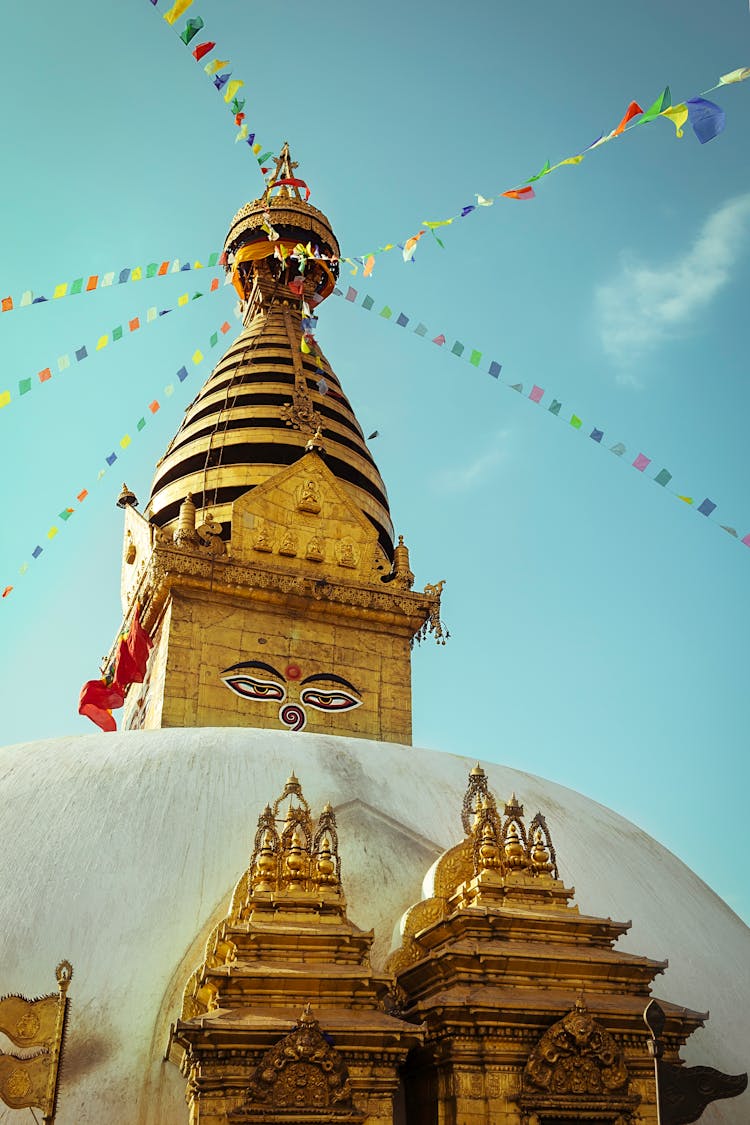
(336, 700)
(250, 687)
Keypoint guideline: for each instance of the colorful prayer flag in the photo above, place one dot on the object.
(536, 393)
(575, 422)
(402, 320)
(386, 312)
(367, 302)
(519, 193)
(632, 111)
(678, 115)
(663, 102)
(96, 701)
(351, 294)
(201, 50)
(706, 507)
(556, 407)
(178, 9)
(596, 435)
(663, 477)
(45, 375)
(153, 406)
(232, 88)
(735, 76)
(641, 462)
(494, 369)
(707, 118)
(475, 358)
(439, 340)
(192, 27)
(4, 398)
(457, 349)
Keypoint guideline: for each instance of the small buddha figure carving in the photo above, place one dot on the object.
(540, 856)
(514, 851)
(347, 554)
(308, 497)
(315, 552)
(325, 866)
(489, 853)
(262, 540)
(295, 864)
(264, 875)
(288, 545)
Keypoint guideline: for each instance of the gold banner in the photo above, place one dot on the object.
(29, 1023)
(24, 1082)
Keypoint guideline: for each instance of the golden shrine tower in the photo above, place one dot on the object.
(265, 565)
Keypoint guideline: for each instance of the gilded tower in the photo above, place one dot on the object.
(265, 564)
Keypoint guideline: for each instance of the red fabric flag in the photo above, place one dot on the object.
(201, 50)
(632, 111)
(520, 193)
(132, 654)
(96, 701)
(291, 182)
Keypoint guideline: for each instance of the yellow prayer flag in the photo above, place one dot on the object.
(125, 441)
(23, 568)
(198, 265)
(686, 499)
(256, 148)
(232, 88)
(60, 290)
(63, 362)
(137, 274)
(437, 223)
(102, 343)
(183, 300)
(678, 115)
(303, 344)
(484, 202)
(169, 389)
(4, 398)
(570, 160)
(177, 10)
(151, 314)
(52, 532)
(197, 356)
(215, 66)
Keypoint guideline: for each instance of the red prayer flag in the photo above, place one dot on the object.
(225, 327)
(201, 50)
(162, 269)
(45, 375)
(134, 324)
(7, 304)
(82, 495)
(520, 193)
(290, 181)
(6, 591)
(632, 111)
(153, 406)
(132, 654)
(92, 282)
(214, 284)
(96, 701)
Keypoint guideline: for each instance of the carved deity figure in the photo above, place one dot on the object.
(308, 497)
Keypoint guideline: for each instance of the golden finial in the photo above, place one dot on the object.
(539, 853)
(402, 574)
(127, 498)
(514, 850)
(513, 806)
(477, 771)
(284, 170)
(184, 533)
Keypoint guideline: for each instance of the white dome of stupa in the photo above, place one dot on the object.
(120, 853)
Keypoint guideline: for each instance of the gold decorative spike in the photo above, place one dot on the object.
(285, 169)
(403, 576)
(185, 534)
(515, 853)
(540, 834)
(477, 789)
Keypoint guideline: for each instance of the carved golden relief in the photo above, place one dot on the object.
(315, 551)
(346, 554)
(288, 544)
(303, 1073)
(262, 540)
(308, 496)
(576, 1056)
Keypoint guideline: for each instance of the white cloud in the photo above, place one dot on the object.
(463, 478)
(645, 305)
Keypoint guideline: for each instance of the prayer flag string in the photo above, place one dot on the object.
(78, 355)
(221, 78)
(641, 462)
(106, 280)
(72, 506)
(706, 119)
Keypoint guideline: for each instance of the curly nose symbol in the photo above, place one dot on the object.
(293, 716)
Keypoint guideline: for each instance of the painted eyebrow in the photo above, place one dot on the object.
(330, 676)
(254, 664)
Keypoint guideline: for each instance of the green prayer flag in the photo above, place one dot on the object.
(192, 27)
(517, 387)
(117, 333)
(539, 175)
(555, 407)
(77, 286)
(457, 348)
(65, 515)
(475, 358)
(421, 329)
(575, 422)
(663, 102)
(24, 386)
(386, 312)
(214, 258)
(367, 302)
(663, 477)
(151, 269)
(140, 424)
(214, 339)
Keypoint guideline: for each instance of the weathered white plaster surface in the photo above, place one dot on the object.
(120, 851)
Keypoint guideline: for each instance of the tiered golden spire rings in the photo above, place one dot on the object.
(291, 853)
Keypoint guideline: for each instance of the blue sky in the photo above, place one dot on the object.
(599, 625)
